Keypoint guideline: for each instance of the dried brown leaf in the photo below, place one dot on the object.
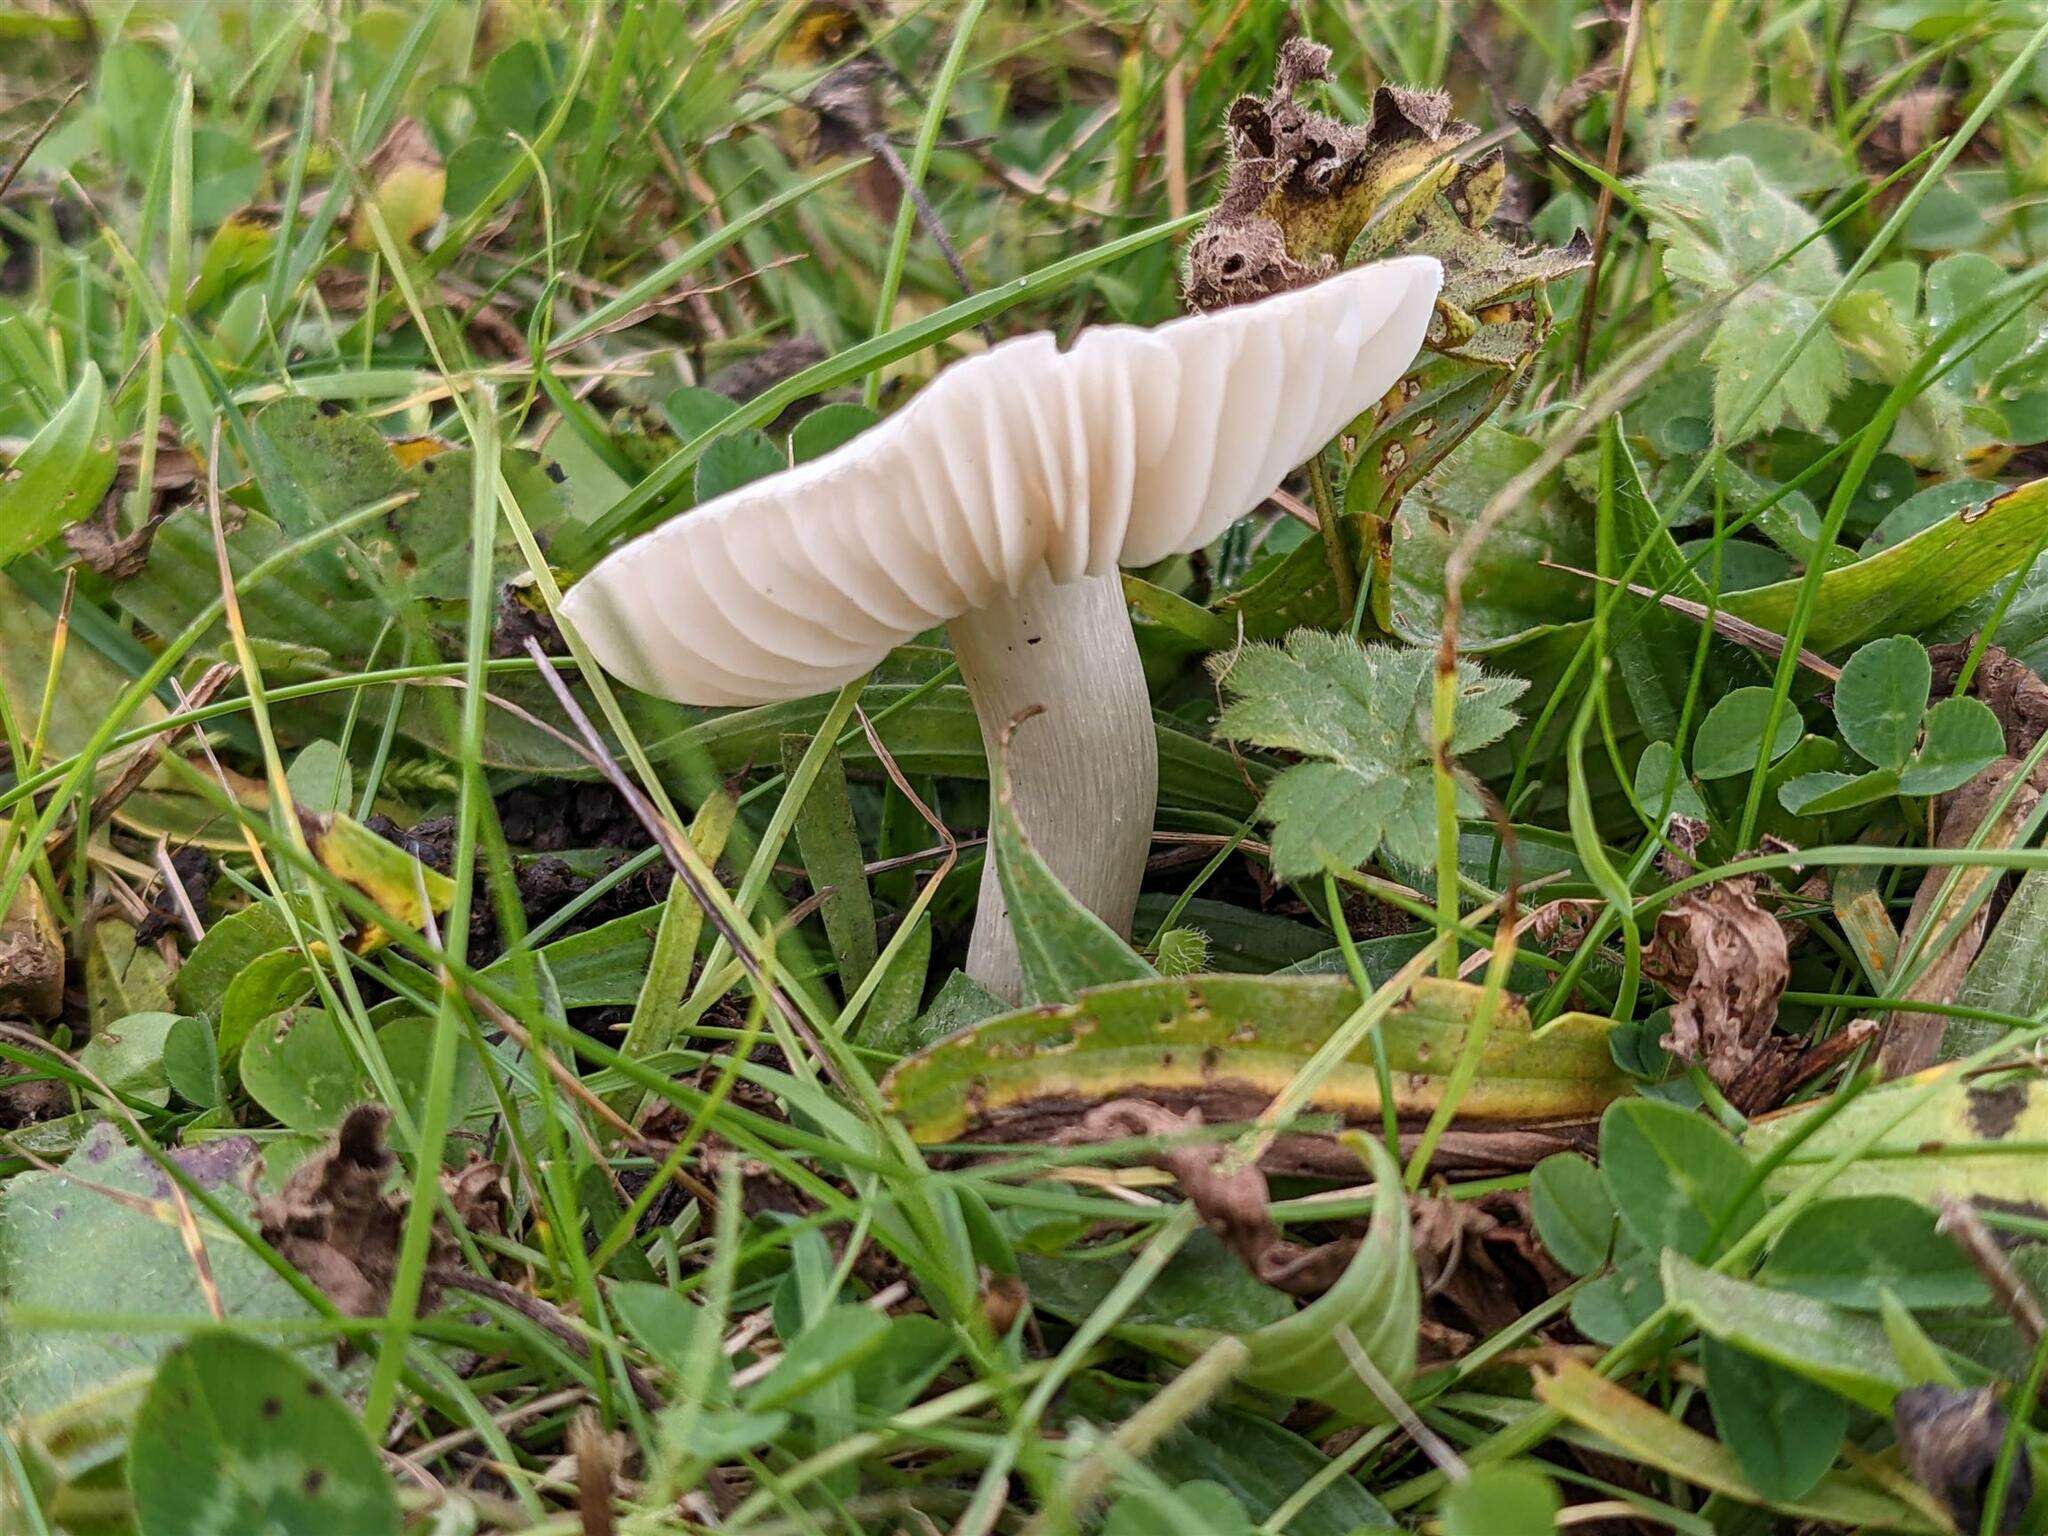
(1229, 1193)
(31, 958)
(339, 1226)
(101, 545)
(2005, 683)
(1723, 959)
(1301, 185)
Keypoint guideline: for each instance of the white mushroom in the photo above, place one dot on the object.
(1000, 502)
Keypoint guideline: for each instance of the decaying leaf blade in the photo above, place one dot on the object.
(1230, 1043)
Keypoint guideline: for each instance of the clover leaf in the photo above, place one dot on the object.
(1882, 713)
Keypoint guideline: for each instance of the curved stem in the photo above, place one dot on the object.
(1085, 778)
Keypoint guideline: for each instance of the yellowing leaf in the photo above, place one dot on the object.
(399, 884)
(1232, 1042)
(1948, 1143)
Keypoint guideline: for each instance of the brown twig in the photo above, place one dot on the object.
(1741, 631)
(1603, 209)
(1960, 1221)
(35, 139)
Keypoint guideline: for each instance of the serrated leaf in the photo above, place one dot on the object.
(1754, 332)
(1720, 223)
(1732, 234)
(1366, 711)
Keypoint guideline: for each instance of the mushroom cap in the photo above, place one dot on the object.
(1129, 446)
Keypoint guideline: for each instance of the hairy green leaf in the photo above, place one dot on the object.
(1366, 711)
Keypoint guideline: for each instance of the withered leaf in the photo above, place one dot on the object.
(847, 102)
(1230, 1194)
(1723, 959)
(1301, 185)
(338, 1225)
(101, 544)
(2012, 690)
(31, 958)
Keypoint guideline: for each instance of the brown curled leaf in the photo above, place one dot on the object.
(1301, 185)
(1230, 1194)
(337, 1224)
(1723, 959)
(31, 958)
(102, 545)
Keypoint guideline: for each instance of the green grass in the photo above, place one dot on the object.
(364, 423)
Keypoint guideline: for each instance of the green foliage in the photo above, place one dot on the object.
(80, 1245)
(1730, 736)
(1784, 1430)
(1678, 1181)
(235, 1436)
(1812, 1339)
(1064, 946)
(1853, 1250)
(1882, 712)
(1496, 1499)
(1736, 238)
(1573, 1211)
(59, 477)
(646, 254)
(1365, 713)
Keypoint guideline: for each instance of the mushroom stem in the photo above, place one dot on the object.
(1083, 779)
